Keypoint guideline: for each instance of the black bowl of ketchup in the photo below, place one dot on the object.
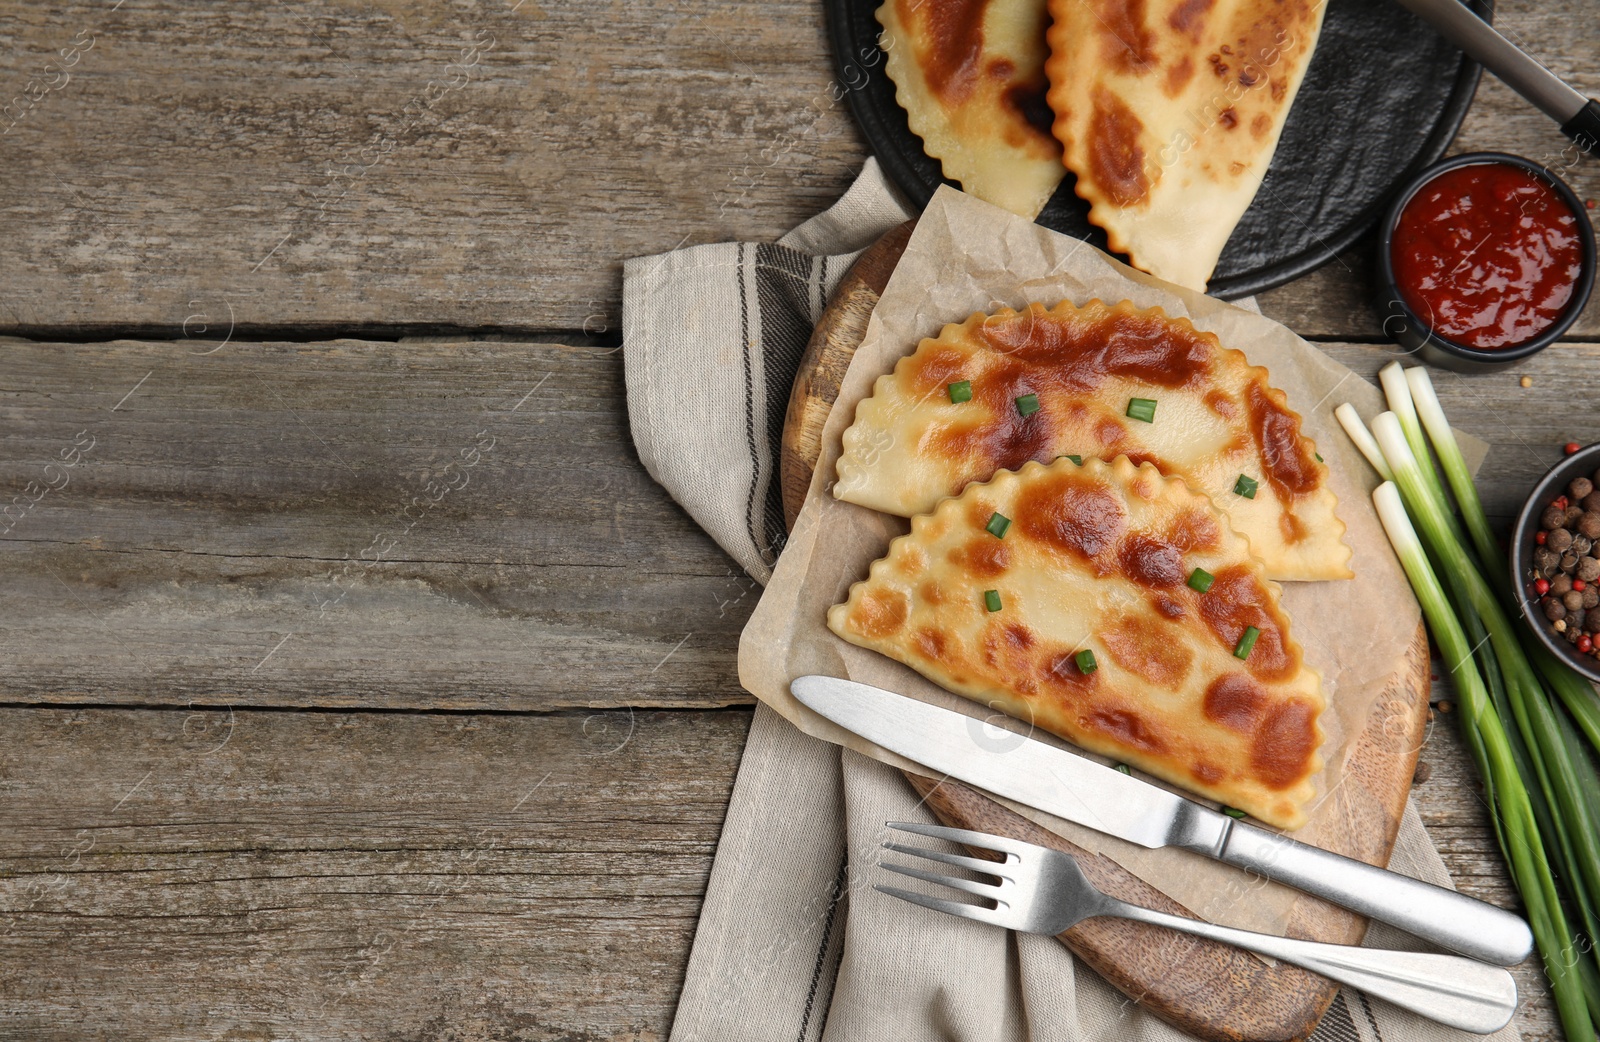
(1484, 258)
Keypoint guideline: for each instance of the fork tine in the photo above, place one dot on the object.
(975, 864)
(939, 904)
(989, 890)
(981, 840)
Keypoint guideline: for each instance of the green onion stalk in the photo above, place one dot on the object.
(1526, 716)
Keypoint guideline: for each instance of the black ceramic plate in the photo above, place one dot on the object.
(1382, 99)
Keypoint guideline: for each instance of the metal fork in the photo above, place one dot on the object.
(1039, 890)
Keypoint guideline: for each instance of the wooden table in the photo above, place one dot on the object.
(358, 681)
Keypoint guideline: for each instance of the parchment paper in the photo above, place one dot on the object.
(968, 256)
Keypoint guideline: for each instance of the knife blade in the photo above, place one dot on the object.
(1076, 788)
(1579, 116)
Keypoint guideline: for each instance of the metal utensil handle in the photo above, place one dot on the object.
(1447, 988)
(1455, 921)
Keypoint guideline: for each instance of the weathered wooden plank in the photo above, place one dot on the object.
(328, 164)
(176, 875)
(168, 874)
(479, 165)
(346, 523)
(257, 525)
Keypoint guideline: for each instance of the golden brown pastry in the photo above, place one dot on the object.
(1045, 383)
(970, 75)
(1072, 597)
(1169, 112)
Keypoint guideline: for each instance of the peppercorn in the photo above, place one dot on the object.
(1592, 500)
(1555, 611)
(1559, 540)
(1579, 585)
(1571, 447)
(1589, 569)
(1573, 600)
(1560, 584)
(1581, 545)
(1575, 617)
(1585, 645)
(1552, 518)
(1545, 560)
(1591, 598)
(1571, 515)
(1541, 586)
(1579, 488)
(1572, 635)
(1569, 562)
(1589, 524)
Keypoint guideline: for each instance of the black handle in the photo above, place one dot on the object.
(1584, 128)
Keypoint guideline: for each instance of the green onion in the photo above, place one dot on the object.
(1246, 643)
(1454, 465)
(1142, 409)
(1246, 487)
(1319, 457)
(998, 523)
(991, 599)
(1122, 767)
(1076, 459)
(1233, 812)
(1350, 420)
(1524, 714)
(1028, 404)
(1200, 580)
(961, 392)
(1085, 661)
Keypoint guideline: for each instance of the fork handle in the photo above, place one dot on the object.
(1448, 988)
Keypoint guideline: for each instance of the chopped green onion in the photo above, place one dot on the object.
(1142, 409)
(961, 392)
(1233, 812)
(1246, 487)
(1085, 661)
(1076, 459)
(1028, 404)
(1121, 768)
(991, 599)
(1200, 580)
(1246, 642)
(1319, 457)
(998, 523)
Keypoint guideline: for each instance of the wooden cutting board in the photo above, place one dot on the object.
(1207, 989)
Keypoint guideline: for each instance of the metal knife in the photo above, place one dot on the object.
(1080, 790)
(1579, 116)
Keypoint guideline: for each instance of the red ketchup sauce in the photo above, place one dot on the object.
(1487, 255)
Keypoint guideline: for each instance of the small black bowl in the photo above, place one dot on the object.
(1412, 332)
(1582, 463)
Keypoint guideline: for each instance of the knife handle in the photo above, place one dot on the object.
(1455, 921)
(1584, 128)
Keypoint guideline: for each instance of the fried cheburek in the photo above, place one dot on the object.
(1169, 112)
(1111, 606)
(999, 390)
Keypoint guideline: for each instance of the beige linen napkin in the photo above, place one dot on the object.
(793, 943)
